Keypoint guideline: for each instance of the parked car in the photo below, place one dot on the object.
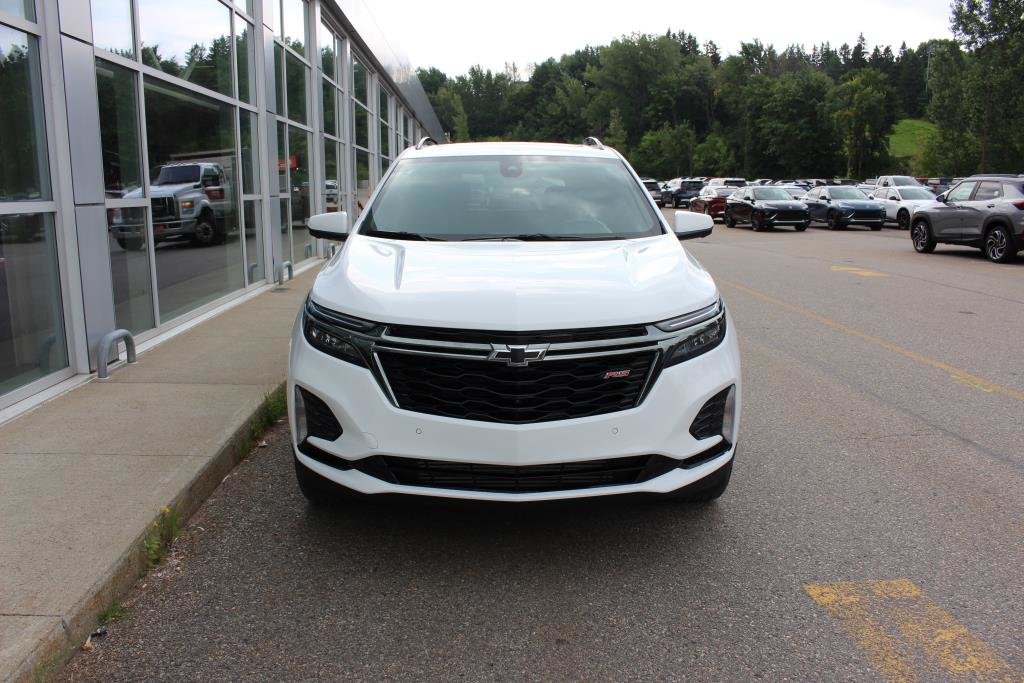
(939, 185)
(765, 207)
(472, 398)
(727, 182)
(761, 181)
(188, 200)
(896, 181)
(794, 191)
(679, 191)
(901, 202)
(711, 200)
(653, 189)
(983, 211)
(841, 206)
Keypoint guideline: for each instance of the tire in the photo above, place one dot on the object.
(205, 233)
(730, 220)
(755, 223)
(921, 236)
(131, 243)
(998, 246)
(675, 202)
(833, 220)
(318, 491)
(711, 487)
(800, 227)
(903, 219)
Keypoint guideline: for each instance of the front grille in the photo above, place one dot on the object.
(516, 479)
(867, 215)
(491, 391)
(443, 334)
(163, 207)
(790, 216)
(320, 421)
(709, 420)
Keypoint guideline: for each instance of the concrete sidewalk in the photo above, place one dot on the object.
(83, 476)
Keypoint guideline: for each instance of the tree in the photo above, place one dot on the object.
(616, 135)
(953, 150)
(666, 152)
(712, 157)
(451, 114)
(862, 111)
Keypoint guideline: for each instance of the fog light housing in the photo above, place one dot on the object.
(729, 416)
(299, 423)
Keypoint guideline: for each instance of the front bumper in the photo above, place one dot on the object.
(373, 426)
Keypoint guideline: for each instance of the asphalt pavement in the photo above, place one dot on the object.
(873, 530)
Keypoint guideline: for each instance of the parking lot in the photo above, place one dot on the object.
(873, 528)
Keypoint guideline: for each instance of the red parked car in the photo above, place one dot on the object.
(711, 200)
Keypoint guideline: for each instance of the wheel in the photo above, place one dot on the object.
(711, 487)
(730, 219)
(318, 491)
(998, 246)
(833, 220)
(131, 243)
(921, 236)
(903, 219)
(800, 227)
(675, 202)
(755, 222)
(205, 233)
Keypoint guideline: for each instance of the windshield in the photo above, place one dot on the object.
(915, 193)
(901, 180)
(770, 193)
(176, 175)
(794, 191)
(847, 193)
(692, 184)
(725, 191)
(652, 185)
(511, 197)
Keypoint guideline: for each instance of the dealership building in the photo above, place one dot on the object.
(159, 159)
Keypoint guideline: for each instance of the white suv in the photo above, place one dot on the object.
(513, 322)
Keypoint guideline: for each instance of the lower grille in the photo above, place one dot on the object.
(708, 422)
(790, 216)
(552, 389)
(523, 479)
(867, 215)
(320, 421)
(163, 208)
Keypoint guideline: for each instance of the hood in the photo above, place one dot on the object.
(514, 286)
(781, 204)
(868, 204)
(161, 190)
(913, 204)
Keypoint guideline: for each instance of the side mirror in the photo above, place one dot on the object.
(941, 198)
(826, 199)
(894, 199)
(690, 225)
(329, 226)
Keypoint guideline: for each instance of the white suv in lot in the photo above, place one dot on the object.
(513, 322)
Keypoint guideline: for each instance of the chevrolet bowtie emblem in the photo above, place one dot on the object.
(517, 355)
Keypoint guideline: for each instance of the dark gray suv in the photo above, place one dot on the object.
(983, 211)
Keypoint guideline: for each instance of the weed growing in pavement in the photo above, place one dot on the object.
(273, 408)
(163, 531)
(114, 612)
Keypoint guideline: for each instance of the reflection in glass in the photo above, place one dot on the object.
(285, 234)
(191, 140)
(197, 50)
(330, 108)
(279, 77)
(361, 125)
(112, 26)
(359, 82)
(246, 61)
(385, 140)
(382, 106)
(294, 29)
(295, 76)
(32, 341)
(298, 148)
(24, 171)
(23, 9)
(119, 128)
(327, 51)
(362, 179)
(283, 161)
(129, 269)
(254, 242)
(245, 6)
(332, 189)
(248, 127)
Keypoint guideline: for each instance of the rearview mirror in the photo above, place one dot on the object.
(689, 225)
(329, 226)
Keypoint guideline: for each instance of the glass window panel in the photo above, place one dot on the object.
(248, 133)
(283, 162)
(298, 148)
(279, 77)
(359, 82)
(384, 165)
(362, 179)
(385, 140)
(330, 102)
(286, 229)
(112, 26)
(24, 170)
(294, 19)
(119, 130)
(382, 106)
(129, 269)
(296, 77)
(197, 50)
(32, 341)
(361, 126)
(191, 140)
(275, 17)
(328, 56)
(25, 9)
(246, 61)
(255, 269)
(244, 5)
(332, 190)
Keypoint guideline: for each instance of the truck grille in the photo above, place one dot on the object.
(488, 391)
(163, 208)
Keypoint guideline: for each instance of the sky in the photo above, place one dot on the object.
(461, 33)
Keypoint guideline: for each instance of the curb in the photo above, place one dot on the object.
(57, 646)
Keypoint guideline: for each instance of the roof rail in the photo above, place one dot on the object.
(593, 142)
(425, 141)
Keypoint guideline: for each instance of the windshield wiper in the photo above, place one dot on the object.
(401, 235)
(543, 237)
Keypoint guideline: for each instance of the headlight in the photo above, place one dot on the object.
(699, 332)
(346, 338)
(187, 204)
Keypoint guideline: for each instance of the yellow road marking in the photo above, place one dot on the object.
(905, 635)
(962, 376)
(863, 272)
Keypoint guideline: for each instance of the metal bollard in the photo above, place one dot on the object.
(103, 353)
(252, 270)
(309, 250)
(280, 272)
